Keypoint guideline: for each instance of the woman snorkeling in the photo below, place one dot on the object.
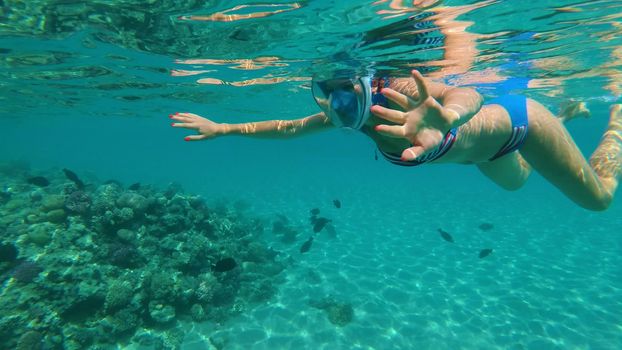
(416, 121)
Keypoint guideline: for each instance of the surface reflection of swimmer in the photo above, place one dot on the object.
(417, 121)
(436, 32)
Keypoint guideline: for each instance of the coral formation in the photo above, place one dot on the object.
(103, 266)
(8, 252)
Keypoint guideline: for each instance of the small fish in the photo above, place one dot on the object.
(446, 236)
(319, 224)
(73, 177)
(484, 253)
(486, 226)
(337, 203)
(134, 186)
(224, 265)
(375, 154)
(38, 181)
(315, 211)
(306, 245)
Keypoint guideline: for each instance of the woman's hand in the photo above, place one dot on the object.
(423, 122)
(206, 128)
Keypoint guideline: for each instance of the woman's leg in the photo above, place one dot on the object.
(551, 151)
(571, 110)
(510, 171)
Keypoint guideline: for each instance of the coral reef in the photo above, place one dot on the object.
(101, 266)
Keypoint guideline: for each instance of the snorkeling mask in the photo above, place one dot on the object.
(346, 102)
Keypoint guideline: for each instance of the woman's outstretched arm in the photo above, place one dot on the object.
(208, 129)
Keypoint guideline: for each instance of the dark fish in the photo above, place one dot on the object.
(38, 181)
(279, 227)
(446, 236)
(315, 211)
(73, 177)
(319, 224)
(306, 245)
(134, 186)
(224, 265)
(337, 203)
(484, 253)
(313, 219)
(282, 218)
(486, 226)
(375, 154)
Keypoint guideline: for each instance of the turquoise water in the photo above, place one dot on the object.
(89, 87)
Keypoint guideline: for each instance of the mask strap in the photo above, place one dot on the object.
(366, 101)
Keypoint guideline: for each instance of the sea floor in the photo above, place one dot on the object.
(553, 281)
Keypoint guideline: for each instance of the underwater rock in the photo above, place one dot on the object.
(16, 204)
(338, 313)
(122, 322)
(126, 235)
(56, 216)
(40, 234)
(38, 181)
(52, 202)
(8, 252)
(161, 313)
(134, 201)
(31, 340)
(26, 272)
(37, 195)
(78, 202)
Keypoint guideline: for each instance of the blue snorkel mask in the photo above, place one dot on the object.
(346, 102)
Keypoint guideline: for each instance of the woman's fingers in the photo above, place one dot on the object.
(185, 117)
(185, 125)
(421, 85)
(390, 130)
(400, 99)
(412, 153)
(195, 137)
(389, 114)
(181, 118)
